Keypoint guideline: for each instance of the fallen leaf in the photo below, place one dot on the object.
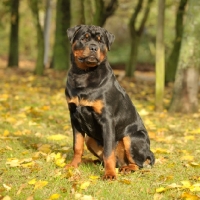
(57, 137)
(161, 189)
(6, 198)
(32, 182)
(94, 177)
(189, 196)
(7, 187)
(54, 196)
(40, 184)
(195, 187)
(85, 185)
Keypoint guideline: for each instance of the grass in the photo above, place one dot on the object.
(36, 142)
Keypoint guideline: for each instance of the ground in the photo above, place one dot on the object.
(36, 143)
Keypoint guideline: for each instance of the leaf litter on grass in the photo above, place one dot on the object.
(35, 134)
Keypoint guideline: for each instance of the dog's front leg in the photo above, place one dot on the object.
(109, 150)
(78, 146)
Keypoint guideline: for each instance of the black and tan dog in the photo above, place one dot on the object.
(100, 108)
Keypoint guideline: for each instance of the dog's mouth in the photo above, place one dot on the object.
(90, 60)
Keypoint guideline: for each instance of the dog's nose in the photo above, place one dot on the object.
(93, 47)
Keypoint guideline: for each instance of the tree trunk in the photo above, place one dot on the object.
(99, 12)
(61, 45)
(172, 61)
(96, 12)
(88, 12)
(39, 68)
(185, 94)
(130, 68)
(47, 24)
(77, 13)
(136, 35)
(160, 56)
(13, 57)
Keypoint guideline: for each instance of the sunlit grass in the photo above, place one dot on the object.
(36, 138)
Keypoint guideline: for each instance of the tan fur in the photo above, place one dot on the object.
(97, 105)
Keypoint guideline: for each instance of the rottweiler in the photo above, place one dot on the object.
(102, 114)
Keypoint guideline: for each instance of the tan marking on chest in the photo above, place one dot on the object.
(97, 105)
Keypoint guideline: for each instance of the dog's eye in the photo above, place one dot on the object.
(85, 38)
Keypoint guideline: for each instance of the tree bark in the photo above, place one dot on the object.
(185, 93)
(39, 68)
(172, 61)
(160, 56)
(47, 24)
(77, 13)
(13, 57)
(96, 12)
(61, 45)
(136, 35)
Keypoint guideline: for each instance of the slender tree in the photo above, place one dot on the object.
(136, 34)
(185, 93)
(13, 57)
(47, 23)
(160, 56)
(39, 68)
(172, 61)
(96, 12)
(76, 13)
(61, 45)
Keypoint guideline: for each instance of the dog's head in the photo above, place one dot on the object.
(89, 44)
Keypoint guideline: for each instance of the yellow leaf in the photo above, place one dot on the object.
(13, 162)
(174, 185)
(6, 198)
(32, 182)
(28, 165)
(160, 150)
(187, 157)
(6, 133)
(194, 164)
(94, 177)
(54, 196)
(195, 187)
(7, 187)
(186, 184)
(60, 162)
(161, 189)
(189, 137)
(188, 196)
(128, 182)
(40, 184)
(57, 137)
(85, 185)
(195, 131)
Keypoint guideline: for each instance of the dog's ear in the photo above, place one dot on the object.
(110, 39)
(71, 32)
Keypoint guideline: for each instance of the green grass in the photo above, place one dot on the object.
(36, 138)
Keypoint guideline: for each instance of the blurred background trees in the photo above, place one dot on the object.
(40, 35)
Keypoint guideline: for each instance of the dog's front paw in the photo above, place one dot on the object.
(129, 168)
(68, 166)
(73, 164)
(109, 176)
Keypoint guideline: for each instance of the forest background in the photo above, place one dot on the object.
(155, 56)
